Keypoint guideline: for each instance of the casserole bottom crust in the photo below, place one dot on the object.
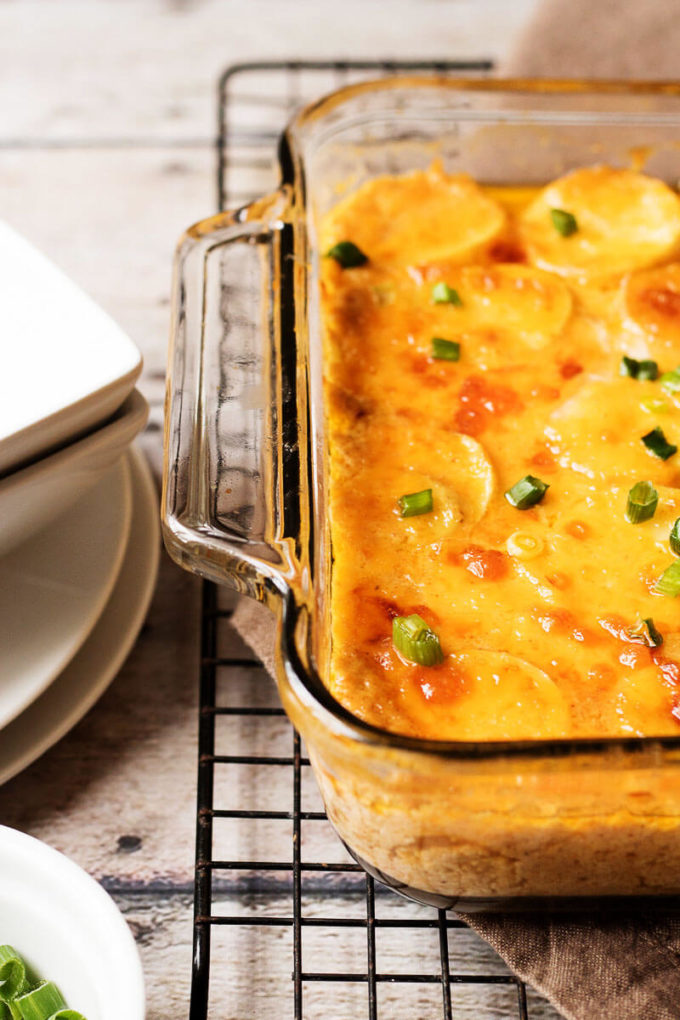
(477, 838)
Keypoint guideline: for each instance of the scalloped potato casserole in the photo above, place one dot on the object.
(503, 403)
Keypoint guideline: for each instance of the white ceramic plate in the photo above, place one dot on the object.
(33, 496)
(65, 365)
(54, 587)
(68, 929)
(88, 675)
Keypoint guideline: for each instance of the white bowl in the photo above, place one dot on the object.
(65, 366)
(68, 930)
(31, 497)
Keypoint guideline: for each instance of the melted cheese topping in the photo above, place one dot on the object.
(533, 608)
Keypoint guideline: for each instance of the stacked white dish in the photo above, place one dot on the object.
(78, 532)
(68, 930)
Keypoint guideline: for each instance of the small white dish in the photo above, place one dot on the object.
(54, 588)
(77, 688)
(68, 930)
(65, 366)
(33, 496)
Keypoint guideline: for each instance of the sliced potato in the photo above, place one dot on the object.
(416, 218)
(489, 695)
(459, 473)
(607, 564)
(519, 302)
(652, 307)
(463, 481)
(598, 432)
(624, 221)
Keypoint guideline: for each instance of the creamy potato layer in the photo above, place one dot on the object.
(539, 611)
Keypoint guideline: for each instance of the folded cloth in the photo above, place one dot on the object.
(593, 968)
(599, 39)
(604, 967)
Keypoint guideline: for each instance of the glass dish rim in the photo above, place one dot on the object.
(516, 85)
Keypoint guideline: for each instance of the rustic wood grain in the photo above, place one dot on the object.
(252, 965)
(145, 70)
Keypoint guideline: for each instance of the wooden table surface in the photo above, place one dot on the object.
(107, 151)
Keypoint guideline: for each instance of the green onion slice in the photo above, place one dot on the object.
(67, 1014)
(445, 350)
(674, 538)
(647, 369)
(645, 633)
(12, 974)
(643, 500)
(656, 443)
(638, 369)
(42, 1003)
(414, 640)
(414, 503)
(347, 254)
(671, 380)
(526, 492)
(652, 405)
(564, 222)
(669, 582)
(442, 294)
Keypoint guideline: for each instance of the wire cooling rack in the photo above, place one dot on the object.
(286, 924)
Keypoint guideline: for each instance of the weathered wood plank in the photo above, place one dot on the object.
(87, 71)
(251, 968)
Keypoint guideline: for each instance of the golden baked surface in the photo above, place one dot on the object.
(537, 610)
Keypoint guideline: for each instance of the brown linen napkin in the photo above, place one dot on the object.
(602, 967)
(599, 39)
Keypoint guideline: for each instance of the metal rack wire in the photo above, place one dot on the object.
(275, 891)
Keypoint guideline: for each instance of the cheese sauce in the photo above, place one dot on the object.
(536, 610)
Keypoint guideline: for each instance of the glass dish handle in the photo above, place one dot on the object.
(229, 480)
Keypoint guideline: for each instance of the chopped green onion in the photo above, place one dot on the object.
(656, 443)
(414, 640)
(652, 405)
(642, 502)
(42, 1003)
(445, 350)
(12, 974)
(20, 1001)
(347, 254)
(526, 492)
(564, 222)
(674, 538)
(645, 633)
(442, 294)
(638, 369)
(671, 380)
(647, 369)
(415, 503)
(669, 582)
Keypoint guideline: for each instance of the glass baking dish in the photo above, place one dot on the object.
(470, 825)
